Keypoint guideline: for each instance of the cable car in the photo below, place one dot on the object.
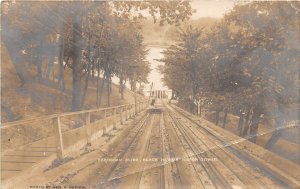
(154, 107)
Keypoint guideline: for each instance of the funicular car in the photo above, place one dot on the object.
(155, 108)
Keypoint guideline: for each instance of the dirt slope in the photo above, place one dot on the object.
(27, 98)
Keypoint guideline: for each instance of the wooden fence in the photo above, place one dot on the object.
(112, 116)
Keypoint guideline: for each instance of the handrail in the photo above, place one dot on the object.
(30, 120)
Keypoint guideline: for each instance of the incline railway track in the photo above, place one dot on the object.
(107, 178)
(210, 173)
(162, 146)
(171, 149)
(242, 172)
(141, 168)
(239, 163)
(138, 175)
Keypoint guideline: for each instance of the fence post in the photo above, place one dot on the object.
(59, 139)
(121, 115)
(105, 123)
(114, 119)
(88, 128)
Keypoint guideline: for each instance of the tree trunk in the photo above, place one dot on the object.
(97, 92)
(39, 62)
(122, 85)
(246, 124)
(61, 83)
(191, 108)
(225, 117)
(76, 67)
(217, 117)
(197, 109)
(93, 69)
(50, 67)
(39, 70)
(86, 84)
(255, 121)
(279, 121)
(102, 87)
(200, 109)
(108, 77)
(241, 120)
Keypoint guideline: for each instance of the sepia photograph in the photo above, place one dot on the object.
(150, 94)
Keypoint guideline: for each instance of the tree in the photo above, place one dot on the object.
(84, 37)
(246, 63)
(271, 73)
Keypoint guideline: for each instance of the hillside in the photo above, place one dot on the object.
(28, 98)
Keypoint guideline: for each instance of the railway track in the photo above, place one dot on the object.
(172, 177)
(241, 163)
(140, 172)
(173, 150)
(108, 178)
(206, 171)
(162, 146)
(245, 174)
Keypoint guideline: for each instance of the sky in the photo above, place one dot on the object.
(211, 8)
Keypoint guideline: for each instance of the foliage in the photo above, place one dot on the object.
(93, 39)
(249, 62)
